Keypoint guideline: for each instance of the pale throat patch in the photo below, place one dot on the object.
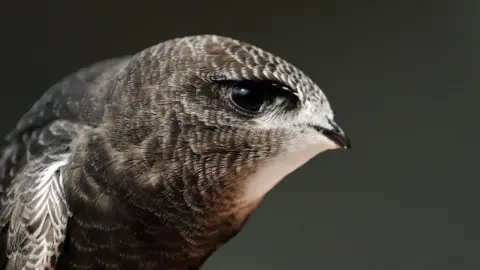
(270, 174)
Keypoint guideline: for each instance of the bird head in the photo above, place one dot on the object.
(225, 111)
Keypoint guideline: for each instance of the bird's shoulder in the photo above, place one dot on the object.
(33, 207)
(33, 210)
(77, 99)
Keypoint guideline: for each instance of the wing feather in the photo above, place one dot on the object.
(33, 207)
(40, 213)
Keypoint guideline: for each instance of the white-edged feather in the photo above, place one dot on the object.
(39, 212)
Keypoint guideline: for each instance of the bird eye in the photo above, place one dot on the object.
(252, 100)
(254, 97)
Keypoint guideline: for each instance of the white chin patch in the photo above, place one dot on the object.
(272, 172)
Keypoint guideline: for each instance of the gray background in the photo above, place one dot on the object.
(402, 77)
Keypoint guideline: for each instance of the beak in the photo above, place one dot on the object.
(335, 134)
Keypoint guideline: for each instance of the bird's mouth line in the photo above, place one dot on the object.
(336, 135)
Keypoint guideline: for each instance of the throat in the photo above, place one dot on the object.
(271, 172)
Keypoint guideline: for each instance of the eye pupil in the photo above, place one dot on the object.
(255, 97)
(249, 100)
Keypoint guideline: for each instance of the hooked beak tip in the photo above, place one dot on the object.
(335, 134)
(338, 137)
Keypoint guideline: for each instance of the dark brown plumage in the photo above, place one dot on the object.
(159, 157)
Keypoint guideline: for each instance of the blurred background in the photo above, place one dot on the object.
(402, 76)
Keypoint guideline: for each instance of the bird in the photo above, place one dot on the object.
(155, 160)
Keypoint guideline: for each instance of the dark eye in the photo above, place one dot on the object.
(254, 97)
(251, 99)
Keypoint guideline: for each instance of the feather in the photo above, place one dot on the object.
(67, 108)
(39, 214)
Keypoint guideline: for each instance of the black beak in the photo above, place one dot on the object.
(335, 134)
